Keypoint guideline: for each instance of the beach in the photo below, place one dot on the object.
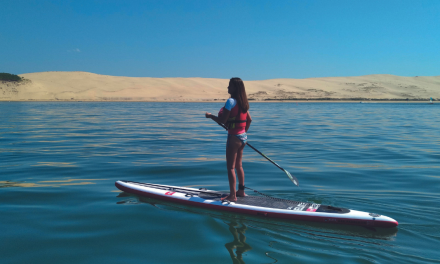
(85, 86)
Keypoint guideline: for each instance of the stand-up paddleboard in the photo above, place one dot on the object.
(257, 205)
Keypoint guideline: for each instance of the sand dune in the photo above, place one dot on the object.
(84, 86)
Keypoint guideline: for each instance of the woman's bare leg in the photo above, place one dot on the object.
(232, 148)
(239, 168)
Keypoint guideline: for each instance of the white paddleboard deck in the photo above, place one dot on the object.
(257, 205)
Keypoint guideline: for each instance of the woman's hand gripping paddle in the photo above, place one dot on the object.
(291, 177)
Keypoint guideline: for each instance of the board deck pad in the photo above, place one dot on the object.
(280, 204)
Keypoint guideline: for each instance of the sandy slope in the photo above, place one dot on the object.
(86, 86)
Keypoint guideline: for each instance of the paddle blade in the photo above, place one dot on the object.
(292, 178)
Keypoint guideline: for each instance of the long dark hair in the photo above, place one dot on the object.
(239, 93)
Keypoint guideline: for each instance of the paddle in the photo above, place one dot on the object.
(291, 177)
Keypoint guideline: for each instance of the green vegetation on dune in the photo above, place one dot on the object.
(10, 77)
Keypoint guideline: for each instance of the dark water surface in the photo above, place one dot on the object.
(59, 162)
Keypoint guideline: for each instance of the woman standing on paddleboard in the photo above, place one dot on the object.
(235, 115)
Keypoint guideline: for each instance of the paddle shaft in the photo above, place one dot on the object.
(292, 178)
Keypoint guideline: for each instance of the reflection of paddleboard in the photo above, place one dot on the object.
(257, 205)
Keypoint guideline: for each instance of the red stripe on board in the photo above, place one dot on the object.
(320, 219)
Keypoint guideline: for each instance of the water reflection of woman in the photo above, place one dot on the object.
(235, 115)
(239, 243)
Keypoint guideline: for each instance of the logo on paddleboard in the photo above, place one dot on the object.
(299, 207)
(374, 215)
(313, 207)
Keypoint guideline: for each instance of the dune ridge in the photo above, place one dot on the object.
(85, 86)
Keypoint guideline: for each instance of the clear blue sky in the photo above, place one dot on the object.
(254, 39)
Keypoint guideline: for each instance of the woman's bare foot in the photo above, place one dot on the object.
(229, 198)
(240, 193)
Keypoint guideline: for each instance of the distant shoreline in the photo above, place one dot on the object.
(85, 86)
(420, 101)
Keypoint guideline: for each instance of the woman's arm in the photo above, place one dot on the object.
(221, 119)
(248, 121)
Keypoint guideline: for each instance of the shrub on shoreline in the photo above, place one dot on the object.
(10, 77)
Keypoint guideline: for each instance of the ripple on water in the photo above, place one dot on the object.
(59, 162)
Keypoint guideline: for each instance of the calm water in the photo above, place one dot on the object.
(59, 162)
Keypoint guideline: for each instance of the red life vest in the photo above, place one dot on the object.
(237, 121)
